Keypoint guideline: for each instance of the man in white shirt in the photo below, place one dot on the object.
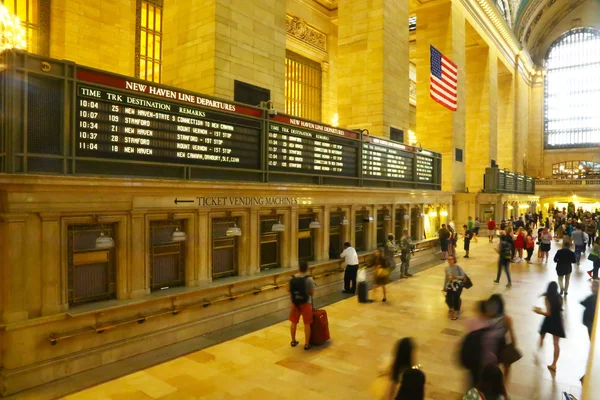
(351, 259)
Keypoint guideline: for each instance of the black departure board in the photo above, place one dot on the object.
(114, 124)
(424, 167)
(383, 159)
(312, 148)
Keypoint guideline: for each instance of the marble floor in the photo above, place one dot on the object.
(262, 365)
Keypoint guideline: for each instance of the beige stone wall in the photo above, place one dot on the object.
(478, 127)
(98, 34)
(242, 41)
(506, 131)
(320, 20)
(373, 65)
(438, 128)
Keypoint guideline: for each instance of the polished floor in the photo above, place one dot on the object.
(262, 365)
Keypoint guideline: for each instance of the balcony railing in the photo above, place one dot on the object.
(567, 182)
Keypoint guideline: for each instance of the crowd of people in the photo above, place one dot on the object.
(490, 347)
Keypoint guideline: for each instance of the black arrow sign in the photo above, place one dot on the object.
(177, 201)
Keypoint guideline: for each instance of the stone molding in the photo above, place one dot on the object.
(299, 29)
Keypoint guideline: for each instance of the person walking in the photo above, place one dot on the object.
(590, 229)
(590, 311)
(504, 251)
(301, 288)
(564, 259)
(529, 245)
(453, 286)
(389, 252)
(553, 321)
(579, 238)
(351, 258)
(490, 386)
(470, 223)
(595, 255)
(491, 225)
(520, 244)
(502, 332)
(406, 249)
(444, 236)
(382, 273)
(404, 360)
(476, 229)
(468, 235)
(452, 242)
(545, 243)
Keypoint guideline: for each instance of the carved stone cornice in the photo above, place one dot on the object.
(300, 30)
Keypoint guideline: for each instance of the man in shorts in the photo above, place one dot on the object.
(301, 288)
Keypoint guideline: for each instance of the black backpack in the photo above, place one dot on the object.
(471, 350)
(298, 290)
(505, 250)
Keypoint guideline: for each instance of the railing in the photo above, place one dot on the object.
(567, 182)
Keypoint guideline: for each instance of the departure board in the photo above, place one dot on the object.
(301, 146)
(424, 168)
(385, 159)
(113, 124)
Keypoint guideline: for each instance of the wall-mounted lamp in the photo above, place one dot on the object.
(233, 231)
(178, 236)
(268, 105)
(104, 242)
(444, 213)
(278, 227)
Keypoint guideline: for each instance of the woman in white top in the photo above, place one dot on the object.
(545, 243)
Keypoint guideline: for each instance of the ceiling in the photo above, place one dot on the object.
(539, 22)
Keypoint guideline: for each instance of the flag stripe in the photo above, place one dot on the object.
(443, 80)
(438, 93)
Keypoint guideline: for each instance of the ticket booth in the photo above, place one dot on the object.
(361, 230)
(167, 255)
(306, 248)
(225, 247)
(270, 246)
(336, 235)
(400, 223)
(91, 263)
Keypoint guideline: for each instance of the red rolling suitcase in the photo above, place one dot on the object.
(319, 329)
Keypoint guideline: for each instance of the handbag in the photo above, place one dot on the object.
(510, 354)
(467, 282)
(593, 257)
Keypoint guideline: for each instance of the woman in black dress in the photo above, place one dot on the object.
(553, 323)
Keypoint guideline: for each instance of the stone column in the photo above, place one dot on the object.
(506, 131)
(208, 44)
(137, 256)
(51, 278)
(14, 248)
(293, 237)
(438, 128)
(373, 61)
(481, 125)
(536, 130)
(203, 247)
(254, 242)
(325, 227)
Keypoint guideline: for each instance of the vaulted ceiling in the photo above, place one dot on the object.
(538, 23)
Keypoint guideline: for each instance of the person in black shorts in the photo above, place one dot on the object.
(468, 235)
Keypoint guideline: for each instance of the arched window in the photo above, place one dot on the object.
(577, 169)
(572, 91)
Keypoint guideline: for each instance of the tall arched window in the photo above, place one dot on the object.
(572, 91)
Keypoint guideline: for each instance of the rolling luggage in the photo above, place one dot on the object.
(363, 292)
(319, 329)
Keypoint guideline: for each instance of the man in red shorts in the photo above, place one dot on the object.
(301, 288)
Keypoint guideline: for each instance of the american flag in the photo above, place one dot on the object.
(443, 78)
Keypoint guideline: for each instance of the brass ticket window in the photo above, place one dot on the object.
(224, 251)
(336, 236)
(167, 259)
(305, 239)
(360, 231)
(91, 270)
(148, 55)
(399, 223)
(381, 233)
(302, 87)
(269, 243)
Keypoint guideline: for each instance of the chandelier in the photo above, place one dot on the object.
(12, 33)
